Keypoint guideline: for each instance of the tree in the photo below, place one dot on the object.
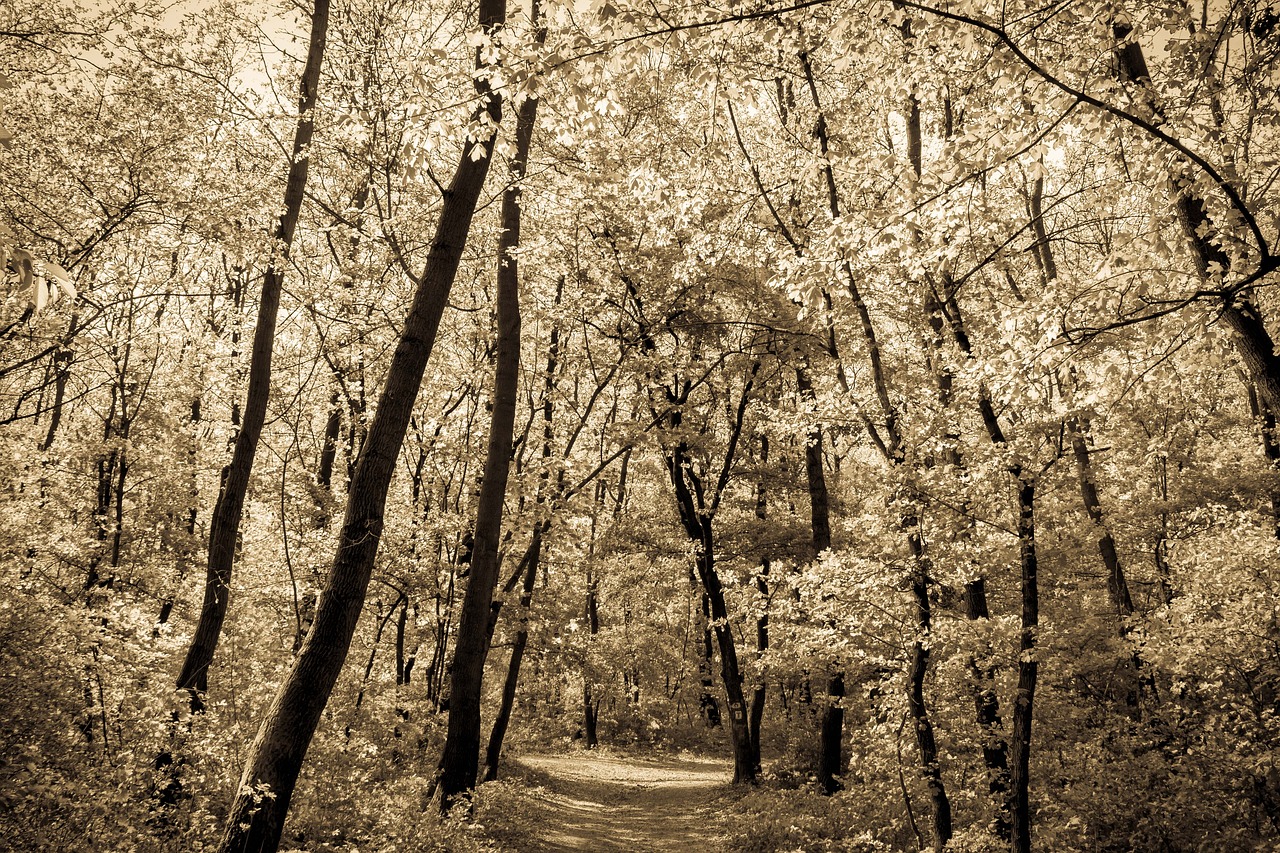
(271, 770)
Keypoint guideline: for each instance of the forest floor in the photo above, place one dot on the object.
(605, 803)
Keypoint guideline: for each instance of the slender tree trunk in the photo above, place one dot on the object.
(698, 526)
(930, 765)
(493, 752)
(590, 705)
(755, 714)
(831, 728)
(224, 526)
(1028, 666)
(461, 754)
(62, 361)
(256, 820)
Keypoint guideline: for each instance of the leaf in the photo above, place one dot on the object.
(64, 280)
(56, 270)
(39, 293)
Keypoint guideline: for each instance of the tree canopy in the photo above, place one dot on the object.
(879, 396)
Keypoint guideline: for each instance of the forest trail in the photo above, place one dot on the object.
(591, 802)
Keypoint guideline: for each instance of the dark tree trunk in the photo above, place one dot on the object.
(255, 822)
(755, 714)
(1266, 420)
(995, 751)
(1254, 342)
(890, 443)
(461, 754)
(698, 525)
(930, 766)
(707, 704)
(590, 706)
(493, 752)
(224, 526)
(831, 728)
(1028, 667)
(62, 362)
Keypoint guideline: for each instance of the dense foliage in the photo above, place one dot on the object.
(902, 361)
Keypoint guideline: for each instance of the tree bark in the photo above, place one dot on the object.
(590, 705)
(755, 713)
(831, 728)
(271, 771)
(224, 526)
(493, 752)
(1028, 666)
(458, 761)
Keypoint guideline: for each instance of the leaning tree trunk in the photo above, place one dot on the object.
(271, 771)
(224, 526)
(458, 762)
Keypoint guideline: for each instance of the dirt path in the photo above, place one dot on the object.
(634, 804)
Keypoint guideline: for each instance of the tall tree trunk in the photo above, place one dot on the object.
(1028, 666)
(255, 821)
(890, 443)
(493, 751)
(755, 714)
(697, 523)
(530, 562)
(224, 526)
(831, 728)
(461, 754)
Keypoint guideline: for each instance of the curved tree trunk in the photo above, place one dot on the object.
(224, 526)
(271, 771)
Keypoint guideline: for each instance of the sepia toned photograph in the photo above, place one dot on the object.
(631, 426)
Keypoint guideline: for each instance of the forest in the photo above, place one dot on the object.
(836, 426)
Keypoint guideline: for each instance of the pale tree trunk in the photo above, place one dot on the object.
(224, 526)
(271, 770)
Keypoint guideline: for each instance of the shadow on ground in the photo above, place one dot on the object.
(589, 802)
